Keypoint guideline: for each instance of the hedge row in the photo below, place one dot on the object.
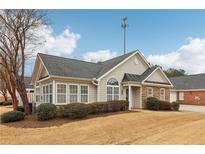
(155, 104)
(112, 106)
(5, 103)
(48, 111)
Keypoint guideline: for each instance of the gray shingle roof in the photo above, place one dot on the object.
(67, 67)
(138, 78)
(196, 81)
(27, 81)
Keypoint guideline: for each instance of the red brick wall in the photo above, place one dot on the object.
(190, 97)
(156, 94)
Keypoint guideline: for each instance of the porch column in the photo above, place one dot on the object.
(54, 92)
(130, 97)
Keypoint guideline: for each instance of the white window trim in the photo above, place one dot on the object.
(80, 93)
(163, 99)
(148, 92)
(113, 86)
(181, 96)
(68, 92)
(77, 92)
(44, 85)
(38, 94)
(56, 93)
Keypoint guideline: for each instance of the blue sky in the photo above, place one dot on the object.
(154, 32)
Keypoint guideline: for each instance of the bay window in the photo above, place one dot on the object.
(38, 96)
(47, 93)
(61, 93)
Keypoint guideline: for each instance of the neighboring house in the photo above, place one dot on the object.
(29, 89)
(129, 77)
(189, 89)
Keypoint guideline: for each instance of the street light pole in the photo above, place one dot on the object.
(124, 25)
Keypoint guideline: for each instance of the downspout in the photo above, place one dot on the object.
(96, 84)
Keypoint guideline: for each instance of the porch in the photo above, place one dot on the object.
(133, 94)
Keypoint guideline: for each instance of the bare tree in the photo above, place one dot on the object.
(3, 90)
(10, 85)
(18, 40)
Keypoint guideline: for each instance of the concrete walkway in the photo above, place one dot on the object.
(192, 108)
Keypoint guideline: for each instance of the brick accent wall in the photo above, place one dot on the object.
(156, 93)
(193, 97)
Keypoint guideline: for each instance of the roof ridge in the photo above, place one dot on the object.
(182, 76)
(196, 74)
(121, 55)
(69, 58)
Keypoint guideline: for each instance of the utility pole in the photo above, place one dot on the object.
(124, 25)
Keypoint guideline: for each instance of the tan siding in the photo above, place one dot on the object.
(157, 76)
(43, 72)
(36, 69)
(128, 67)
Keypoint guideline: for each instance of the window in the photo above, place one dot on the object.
(47, 93)
(61, 93)
(149, 92)
(112, 89)
(181, 96)
(38, 97)
(84, 94)
(73, 93)
(162, 94)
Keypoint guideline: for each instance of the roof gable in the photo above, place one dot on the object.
(139, 78)
(122, 60)
(157, 76)
(66, 67)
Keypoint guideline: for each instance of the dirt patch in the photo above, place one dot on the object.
(4, 109)
(144, 127)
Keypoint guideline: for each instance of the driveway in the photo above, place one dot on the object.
(193, 108)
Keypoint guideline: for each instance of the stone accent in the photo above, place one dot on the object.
(156, 93)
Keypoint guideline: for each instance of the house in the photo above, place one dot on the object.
(129, 77)
(29, 90)
(189, 89)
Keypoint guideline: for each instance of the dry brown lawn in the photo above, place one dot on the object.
(143, 127)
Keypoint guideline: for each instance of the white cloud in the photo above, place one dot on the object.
(62, 44)
(100, 55)
(190, 57)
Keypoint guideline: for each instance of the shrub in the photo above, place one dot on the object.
(98, 107)
(112, 106)
(20, 108)
(164, 105)
(12, 116)
(46, 111)
(1, 103)
(152, 103)
(175, 106)
(76, 110)
(6, 103)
